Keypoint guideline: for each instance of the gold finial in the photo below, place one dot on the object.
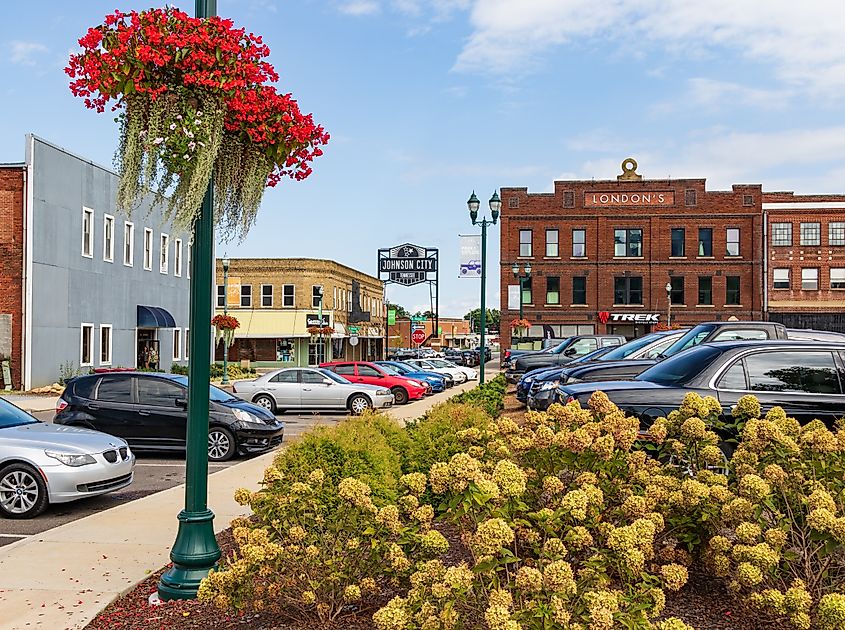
(629, 170)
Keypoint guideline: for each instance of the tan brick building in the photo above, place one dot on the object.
(277, 299)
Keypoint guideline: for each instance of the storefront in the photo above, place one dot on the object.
(630, 325)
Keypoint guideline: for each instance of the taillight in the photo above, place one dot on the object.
(570, 399)
(61, 405)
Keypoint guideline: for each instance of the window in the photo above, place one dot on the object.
(267, 295)
(286, 376)
(837, 278)
(105, 344)
(628, 243)
(748, 200)
(317, 296)
(579, 243)
(678, 242)
(308, 376)
(177, 344)
(552, 290)
(836, 233)
(108, 238)
(246, 295)
(288, 300)
(788, 371)
(317, 352)
(525, 248)
(187, 342)
(128, 244)
(705, 241)
(526, 291)
(158, 392)
(689, 197)
(552, 249)
(115, 389)
(811, 233)
(780, 278)
(734, 377)
(86, 345)
(366, 370)
(732, 294)
(163, 262)
(177, 257)
(809, 279)
(88, 232)
(705, 290)
(148, 249)
(221, 296)
(579, 289)
(582, 347)
(628, 290)
(781, 234)
(513, 202)
(568, 199)
(740, 334)
(733, 241)
(677, 295)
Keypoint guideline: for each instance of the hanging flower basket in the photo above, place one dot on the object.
(519, 327)
(316, 331)
(195, 104)
(224, 328)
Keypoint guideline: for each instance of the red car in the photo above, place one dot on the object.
(403, 389)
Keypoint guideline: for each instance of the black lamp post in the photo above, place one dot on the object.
(495, 207)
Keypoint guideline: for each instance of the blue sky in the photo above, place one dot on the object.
(426, 101)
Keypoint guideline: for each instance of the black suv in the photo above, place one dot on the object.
(149, 411)
(563, 353)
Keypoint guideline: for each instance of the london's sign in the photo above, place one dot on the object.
(636, 318)
(652, 198)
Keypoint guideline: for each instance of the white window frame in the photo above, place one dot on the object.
(108, 359)
(263, 305)
(177, 257)
(88, 240)
(177, 344)
(129, 230)
(809, 279)
(108, 245)
(148, 249)
(220, 296)
(293, 296)
(164, 253)
(241, 303)
(775, 278)
(187, 343)
(840, 272)
(90, 327)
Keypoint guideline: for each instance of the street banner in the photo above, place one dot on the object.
(470, 256)
(391, 316)
(513, 297)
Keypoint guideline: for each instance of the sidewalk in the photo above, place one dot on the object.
(32, 404)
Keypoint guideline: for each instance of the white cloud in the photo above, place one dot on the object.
(25, 53)
(712, 95)
(360, 7)
(801, 41)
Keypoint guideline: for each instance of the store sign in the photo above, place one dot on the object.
(313, 319)
(631, 318)
(407, 264)
(629, 199)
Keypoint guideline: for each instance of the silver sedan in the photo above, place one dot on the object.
(292, 389)
(44, 463)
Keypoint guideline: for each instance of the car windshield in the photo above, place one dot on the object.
(681, 368)
(215, 394)
(11, 416)
(337, 378)
(625, 350)
(694, 337)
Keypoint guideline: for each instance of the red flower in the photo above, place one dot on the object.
(225, 322)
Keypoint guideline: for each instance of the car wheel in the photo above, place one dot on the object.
(400, 396)
(266, 402)
(358, 404)
(221, 444)
(23, 493)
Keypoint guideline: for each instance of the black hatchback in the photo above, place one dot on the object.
(149, 411)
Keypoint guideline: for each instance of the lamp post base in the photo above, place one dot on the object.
(194, 554)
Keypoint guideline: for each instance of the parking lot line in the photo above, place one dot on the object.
(177, 465)
(15, 535)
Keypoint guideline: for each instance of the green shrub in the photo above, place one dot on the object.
(236, 372)
(363, 447)
(490, 396)
(433, 438)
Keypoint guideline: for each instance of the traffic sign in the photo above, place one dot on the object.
(418, 336)
(353, 340)
(353, 330)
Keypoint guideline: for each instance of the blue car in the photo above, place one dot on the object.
(438, 382)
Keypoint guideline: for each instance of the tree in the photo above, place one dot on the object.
(425, 314)
(492, 319)
(401, 312)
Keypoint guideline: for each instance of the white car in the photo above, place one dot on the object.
(458, 373)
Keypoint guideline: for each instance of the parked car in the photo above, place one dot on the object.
(292, 389)
(438, 382)
(808, 334)
(441, 366)
(42, 464)
(563, 353)
(458, 356)
(525, 383)
(488, 353)
(403, 389)
(149, 411)
(400, 354)
(805, 378)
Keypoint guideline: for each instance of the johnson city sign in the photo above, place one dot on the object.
(407, 264)
(631, 318)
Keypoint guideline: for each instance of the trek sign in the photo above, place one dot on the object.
(633, 318)
(407, 264)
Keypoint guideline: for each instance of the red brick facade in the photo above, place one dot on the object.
(655, 207)
(11, 259)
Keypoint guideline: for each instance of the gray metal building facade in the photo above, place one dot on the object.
(102, 289)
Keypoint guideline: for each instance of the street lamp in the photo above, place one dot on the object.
(668, 304)
(495, 207)
(522, 277)
(225, 380)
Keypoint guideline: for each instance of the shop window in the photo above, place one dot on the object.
(628, 243)
(705, 290)
(781, 234)
(780, 278)
(628, 290)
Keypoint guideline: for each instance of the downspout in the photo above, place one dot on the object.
(765, 266)
(26, 336)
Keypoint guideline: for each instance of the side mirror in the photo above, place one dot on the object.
(182, 402)
(570, 352)
(327, 381)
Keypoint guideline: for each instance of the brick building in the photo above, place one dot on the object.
(12, 178)
(805, 260)
(454, 333)
(276, 300)
(603, 252)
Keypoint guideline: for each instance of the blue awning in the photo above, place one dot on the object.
(154, 317)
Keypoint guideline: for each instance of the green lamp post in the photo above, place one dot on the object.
(195, 551)
(225, 380)
(495, 207)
